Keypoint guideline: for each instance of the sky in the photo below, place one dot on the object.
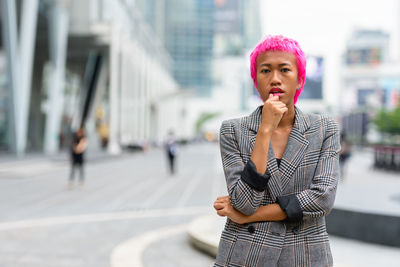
(323, 27)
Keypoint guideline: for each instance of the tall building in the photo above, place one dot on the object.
(195, 32)
(186, 27)
(208, 41)
(237, 26)
(237, 31)
(189, 36)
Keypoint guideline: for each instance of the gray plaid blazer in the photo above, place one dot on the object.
(304, 186)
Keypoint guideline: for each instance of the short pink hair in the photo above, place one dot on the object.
(280, 43)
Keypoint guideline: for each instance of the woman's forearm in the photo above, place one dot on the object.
(259, 155)
(272, 212)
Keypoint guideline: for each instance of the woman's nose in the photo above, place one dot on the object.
(275, 78)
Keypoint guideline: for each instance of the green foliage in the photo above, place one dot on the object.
(203, 118)
(388, 121)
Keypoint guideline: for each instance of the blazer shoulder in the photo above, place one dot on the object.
(229, 126)
(327, 122)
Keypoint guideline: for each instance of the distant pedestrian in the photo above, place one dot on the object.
(78, 147)
(171, 149)
(344, 154)
(104, 133)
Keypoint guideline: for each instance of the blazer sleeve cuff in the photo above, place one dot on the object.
(254, 179)
(290, 204)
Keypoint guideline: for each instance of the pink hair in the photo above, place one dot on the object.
(280, 43)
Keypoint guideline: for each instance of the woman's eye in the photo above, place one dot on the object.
(265, 71)
(285, 70)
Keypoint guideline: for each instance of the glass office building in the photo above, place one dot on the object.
(190, 28)
(196, 31)
(187, 29)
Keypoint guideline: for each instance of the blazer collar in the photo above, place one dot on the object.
(301, 120)
(293, 154)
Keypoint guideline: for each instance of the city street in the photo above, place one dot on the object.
(132, 212)
(43, 223)
(102, 82)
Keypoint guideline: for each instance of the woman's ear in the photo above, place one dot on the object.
(299, 85)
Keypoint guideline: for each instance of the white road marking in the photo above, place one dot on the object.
(159, 192)
(129, 253)
(30, 168)
(103, 217)
(139, 187)
(189, 189)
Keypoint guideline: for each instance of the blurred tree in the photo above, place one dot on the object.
(203, 118)
(388, 121)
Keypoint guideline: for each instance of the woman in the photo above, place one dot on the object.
(281, 168)
(78, 147)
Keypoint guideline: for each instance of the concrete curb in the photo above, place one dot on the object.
(203, 234)
(129, 253)
(363, 226)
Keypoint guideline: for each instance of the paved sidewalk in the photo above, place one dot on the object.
(37, 164)
(123, 201)
(363, 185)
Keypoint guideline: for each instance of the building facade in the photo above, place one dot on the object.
(186, 28)
(92, 64)
(370, 81)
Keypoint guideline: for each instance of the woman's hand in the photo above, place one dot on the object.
(272, 113)
(224, 208)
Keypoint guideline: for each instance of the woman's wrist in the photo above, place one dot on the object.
(265, 130)
(245, 219)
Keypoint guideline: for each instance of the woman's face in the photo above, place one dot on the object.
(277, 74)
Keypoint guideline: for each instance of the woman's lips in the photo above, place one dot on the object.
(276, 91)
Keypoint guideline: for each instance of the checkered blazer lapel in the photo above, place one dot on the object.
(292, 156)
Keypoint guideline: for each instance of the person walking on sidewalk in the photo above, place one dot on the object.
(78, 147)
(281, 168)
(171, 149)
